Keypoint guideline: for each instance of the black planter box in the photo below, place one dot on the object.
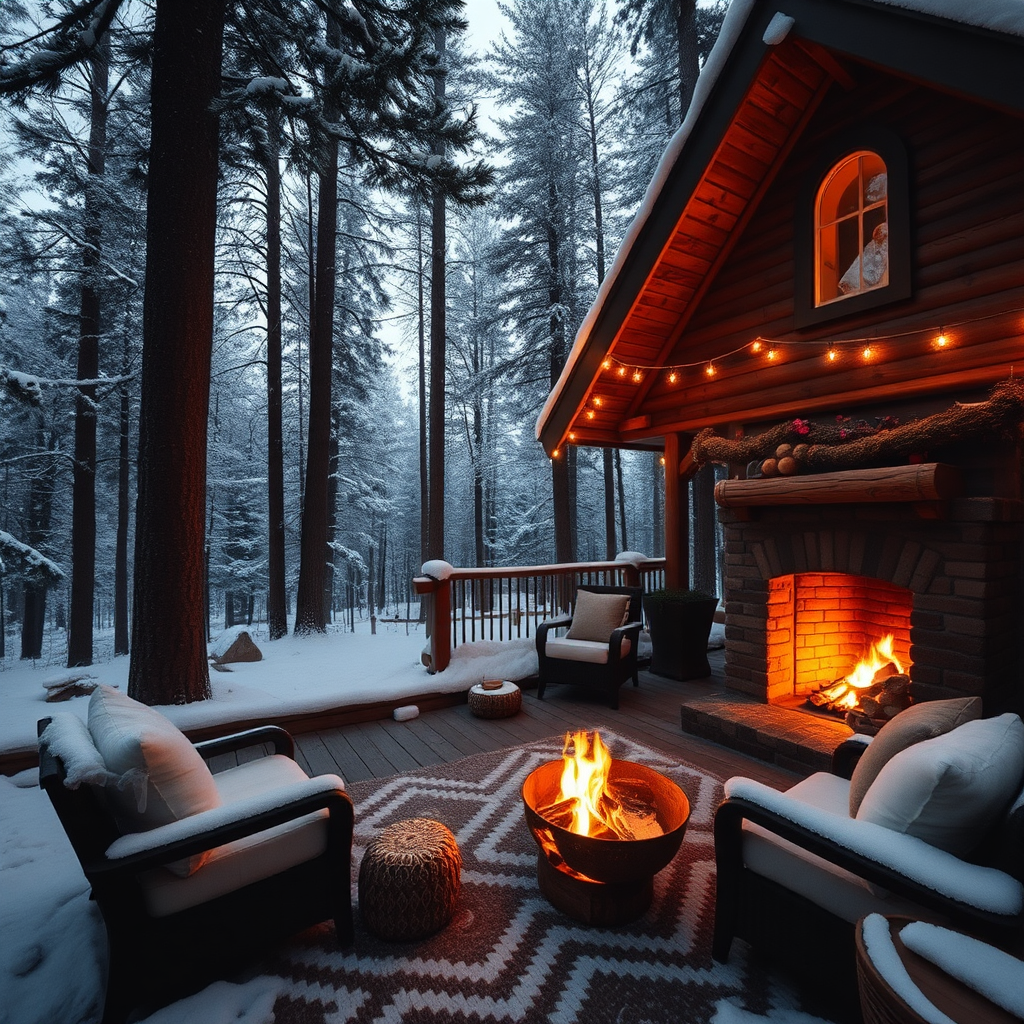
(679, 637)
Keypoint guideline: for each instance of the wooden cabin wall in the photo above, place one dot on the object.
(966, 179)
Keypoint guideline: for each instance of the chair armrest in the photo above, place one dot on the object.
(848, 753)
(903, 864)
(282, 740)
(140, 851)
(548, 624)
(630, 629)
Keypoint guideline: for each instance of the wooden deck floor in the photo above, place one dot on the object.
(648, 713)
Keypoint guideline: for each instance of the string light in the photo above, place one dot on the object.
(572, 436)
(771, 348)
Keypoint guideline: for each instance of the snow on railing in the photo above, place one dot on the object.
(506, 603)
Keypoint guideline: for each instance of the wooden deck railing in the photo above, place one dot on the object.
(506, 603)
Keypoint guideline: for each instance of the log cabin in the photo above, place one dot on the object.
(832, 250)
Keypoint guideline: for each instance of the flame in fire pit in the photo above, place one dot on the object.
(595, 809)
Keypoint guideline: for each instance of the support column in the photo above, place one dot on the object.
(677, 517)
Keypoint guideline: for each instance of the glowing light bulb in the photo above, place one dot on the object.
(832, 355)
(606, 365)
(590, 414)
(772, 353)
(662, 460)
(673, 377)
(868, 352)
(755, 346)
(637, 376)
(597, 400)
(572, 436)
(941, 341)
(554, 454)
(710, 369)
(622, 371)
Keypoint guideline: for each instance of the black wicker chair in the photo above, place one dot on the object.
(815, 941)
(618, 663)
(155, 959)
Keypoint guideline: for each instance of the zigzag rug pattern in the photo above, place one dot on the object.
(508, 957)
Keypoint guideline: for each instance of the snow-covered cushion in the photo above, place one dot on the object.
(590, 651)
(950, 790)
(68, 739)
(922, 721)
(162, 776)
(596, 615)
(252, 858)
(830, 887)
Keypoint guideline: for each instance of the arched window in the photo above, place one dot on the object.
(852, 222)
(851, 226)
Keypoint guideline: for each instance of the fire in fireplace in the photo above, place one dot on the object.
(603, 828)
(876, 689)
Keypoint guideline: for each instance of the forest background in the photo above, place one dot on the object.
(278, 308)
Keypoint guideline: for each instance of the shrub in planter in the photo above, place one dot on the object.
(679, 622)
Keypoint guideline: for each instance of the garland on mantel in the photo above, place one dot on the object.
(800, 446)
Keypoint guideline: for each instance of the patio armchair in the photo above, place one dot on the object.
(194, 873)
(600, 646)
(936, 834)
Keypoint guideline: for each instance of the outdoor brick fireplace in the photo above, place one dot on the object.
(819, 624)
(808, 585)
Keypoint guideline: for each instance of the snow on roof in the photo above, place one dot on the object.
(1006, 16)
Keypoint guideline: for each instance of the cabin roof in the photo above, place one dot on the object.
(763, 81)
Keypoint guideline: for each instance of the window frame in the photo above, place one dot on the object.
(891, 151)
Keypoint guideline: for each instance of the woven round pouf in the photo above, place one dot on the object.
(409, 880)
(502, 702)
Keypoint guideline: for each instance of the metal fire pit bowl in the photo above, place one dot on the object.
(611, 860)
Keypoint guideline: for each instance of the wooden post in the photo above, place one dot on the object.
(439, 618)
(677, 534)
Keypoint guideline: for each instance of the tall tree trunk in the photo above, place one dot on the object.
(622, 499)
(37, 534)
(83, 507)
(435, 523)
(332, 515)
(277, 611)
(688, 60)
(309, 601)
(121, 539)
(608, 465)
(561, 466)
(168, 652)
(424, 487)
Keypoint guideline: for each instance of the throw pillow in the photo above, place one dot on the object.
(922, 721)
(949, 790)
(596, 615)
(171, 780)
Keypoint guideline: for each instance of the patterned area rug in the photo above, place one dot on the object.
(508, 955)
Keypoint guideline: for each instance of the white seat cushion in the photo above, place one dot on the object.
(162, 777)
(823, 883)
(246, 860)
(590, 651)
